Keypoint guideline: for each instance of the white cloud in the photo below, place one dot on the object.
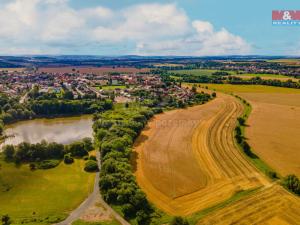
(150, 29)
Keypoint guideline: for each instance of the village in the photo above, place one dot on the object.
(119, 87)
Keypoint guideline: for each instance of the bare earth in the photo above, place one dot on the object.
(274, 130)
(187, 160)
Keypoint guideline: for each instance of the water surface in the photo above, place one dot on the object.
(61, 130)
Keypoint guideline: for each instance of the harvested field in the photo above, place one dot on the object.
(274, 130)
(185, 157)
(12, 69)
(267, 77)
(94, 70)
(272, 205)
(274, 124)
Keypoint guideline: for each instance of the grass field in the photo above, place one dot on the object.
(197, 72)
(42, 196)
(113, 87)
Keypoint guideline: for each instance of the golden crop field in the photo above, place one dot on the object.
(188, 160)
(272, 205)
(274, 124)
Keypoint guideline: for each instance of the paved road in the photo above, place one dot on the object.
(94, 197)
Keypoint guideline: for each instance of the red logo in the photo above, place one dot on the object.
(286, 15)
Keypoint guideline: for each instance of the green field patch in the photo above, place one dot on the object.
(199, 72)
(262, 75)
(111, 87)
(42, 196)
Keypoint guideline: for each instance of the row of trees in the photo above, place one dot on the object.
(26, 152)
(222, 78)
(69, 107)
(260, 81)
(116, 131)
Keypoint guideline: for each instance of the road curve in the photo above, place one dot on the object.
(94, 197)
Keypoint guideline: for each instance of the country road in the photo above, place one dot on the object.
(95, 197)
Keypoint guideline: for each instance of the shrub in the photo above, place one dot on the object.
(48, 164)
(32, 166)
(292, 183)
(68, 159)
(241, 121)
(179, 221)
(77, 149)
(92, 157)
(85, 157)
(91, 166)
(9, 152)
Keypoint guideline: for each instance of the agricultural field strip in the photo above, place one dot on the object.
(271, 202)
(238, 173)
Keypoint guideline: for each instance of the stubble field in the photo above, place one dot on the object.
(187, 160)
(274, 124)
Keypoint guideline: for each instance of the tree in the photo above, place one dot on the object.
(91, 166)
(77, 149)
(68, 159)
(194, 89)
(5, 220)
(292, 183)
(179, 221)
(88, 144)
(241, 121)
(1, 128)
(9, 152)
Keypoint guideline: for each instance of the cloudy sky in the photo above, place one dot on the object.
(119, 27)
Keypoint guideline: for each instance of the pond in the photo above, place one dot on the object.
(61, 130)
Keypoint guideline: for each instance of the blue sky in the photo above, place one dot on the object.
(118, 27)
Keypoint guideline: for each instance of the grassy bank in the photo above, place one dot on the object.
(42, 197)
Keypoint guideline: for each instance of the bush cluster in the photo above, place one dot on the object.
(292, 183)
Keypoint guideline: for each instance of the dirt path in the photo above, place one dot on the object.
(94, 199)
(187, 160)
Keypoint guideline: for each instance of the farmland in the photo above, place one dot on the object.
(94, 70)
(183, 163)
(198, 72)
(278, 110)
(270, 205)
(266, 76)
(41, 196)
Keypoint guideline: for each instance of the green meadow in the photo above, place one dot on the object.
(198, 72)
(42, 196)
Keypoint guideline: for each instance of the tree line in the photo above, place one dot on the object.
(222, 78)
(29, 153)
